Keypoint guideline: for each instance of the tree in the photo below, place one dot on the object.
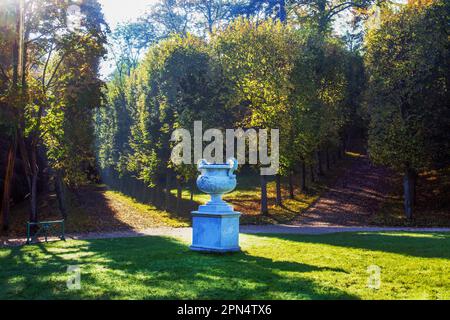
(129, 41)
(47, 43)
(177, 84)
(170, 17)
(408, 65)
(11, 68)
(257, 61)
(213, 13)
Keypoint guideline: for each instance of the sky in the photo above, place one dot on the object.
(117, 11)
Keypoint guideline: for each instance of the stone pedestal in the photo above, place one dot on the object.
(215, 232)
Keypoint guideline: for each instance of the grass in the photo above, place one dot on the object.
(332, 266)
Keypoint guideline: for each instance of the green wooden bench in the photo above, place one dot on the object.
(43, 229)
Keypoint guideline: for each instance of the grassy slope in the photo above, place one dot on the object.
(334, 266)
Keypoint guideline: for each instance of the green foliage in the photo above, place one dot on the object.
(322, 84)
(69, 130)
(176, 84)
(408, 61)
(265, 75)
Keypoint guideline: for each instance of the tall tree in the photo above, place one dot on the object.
(48, 40)
(408, 61)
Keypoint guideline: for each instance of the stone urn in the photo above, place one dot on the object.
(216, 180)
(215, 225)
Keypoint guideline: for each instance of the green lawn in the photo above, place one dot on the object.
(334, 266)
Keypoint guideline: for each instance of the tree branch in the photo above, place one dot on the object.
(45, 68)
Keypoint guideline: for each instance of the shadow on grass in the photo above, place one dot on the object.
(425, 245)
(154, 268)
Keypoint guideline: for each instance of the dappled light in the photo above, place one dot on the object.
(270, 267)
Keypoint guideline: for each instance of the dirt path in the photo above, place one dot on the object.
(353, 198)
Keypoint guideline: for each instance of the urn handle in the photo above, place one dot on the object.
(201, 163)
(233, 166)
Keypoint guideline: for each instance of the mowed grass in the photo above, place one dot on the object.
(332, 266)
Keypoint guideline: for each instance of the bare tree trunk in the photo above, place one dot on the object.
(34, 179)
(291, 185)
(179, 195)
(158, 196)
(327, 153)
(409, 185)
(25, 159)
(278, 200)
(167, 191)
(302, 177)
(11, 159)
(311, 170)
(319, 163)
(153, 195)
(192, 190)
(264, 208)
(60, 193)
(33, 198)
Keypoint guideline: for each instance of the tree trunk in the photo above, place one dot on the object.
(158, 195)
(302, 177)
(264, 208)
(311, 170)
(153, 195)
(167, 192)
(60, 193)
(319, 163)
(25, 159)
(11, 159)
(33, 198)
(179, 195)
(291, 185)
(192, 190)
(278, 200)
(327, 154)
(409, 185)
(345, 144)
(34, 177)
